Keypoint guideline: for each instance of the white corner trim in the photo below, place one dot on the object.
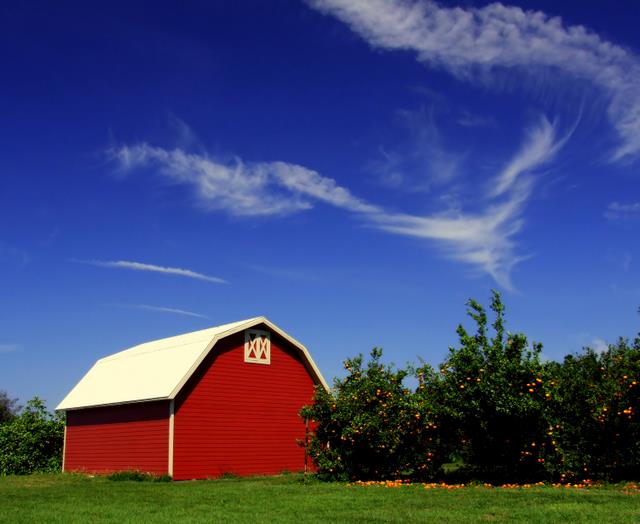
(64, 445)
(171, 430)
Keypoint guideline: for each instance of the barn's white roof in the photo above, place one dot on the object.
(158, 369)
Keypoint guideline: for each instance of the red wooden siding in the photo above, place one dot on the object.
(242, 418)
(113, 438)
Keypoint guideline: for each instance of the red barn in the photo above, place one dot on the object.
(198, 405)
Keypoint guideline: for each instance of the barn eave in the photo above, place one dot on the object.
(81, 396)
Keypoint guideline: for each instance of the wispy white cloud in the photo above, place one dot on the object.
(185, 137)
(620, 211)
(577, 342)
(421, 161)
(256, 189)
(468, 119)
(160, 309)
(8, 348)
(538, 149)
(466, 41)
(139, 266)
(599, 345)
(485, 239)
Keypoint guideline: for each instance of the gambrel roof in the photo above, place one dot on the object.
(157, 370)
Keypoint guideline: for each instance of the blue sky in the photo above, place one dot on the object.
(354, 170)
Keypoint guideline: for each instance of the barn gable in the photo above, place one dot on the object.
(159, 369)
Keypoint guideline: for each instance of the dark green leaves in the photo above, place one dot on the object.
(31, 441)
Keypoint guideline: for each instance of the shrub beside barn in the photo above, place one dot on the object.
(217, 401)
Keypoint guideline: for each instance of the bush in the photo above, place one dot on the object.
(32, 441)
(493, 408)
(8, 407)
(594, 401)
(371, 426)
(490, 397)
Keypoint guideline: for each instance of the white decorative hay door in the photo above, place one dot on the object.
(257, 346)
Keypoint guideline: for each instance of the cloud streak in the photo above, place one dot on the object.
(8, 348)
(486, 239)
(139, 266)
(240, 189)
(619, 211)
(469, 41)
(161, 309)
(538, 149)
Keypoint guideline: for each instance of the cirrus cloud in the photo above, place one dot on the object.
(465, 41)
(163, 309)
(622, 211)
(140, 266)
(240, 189)
(483, 239)
(8, 348)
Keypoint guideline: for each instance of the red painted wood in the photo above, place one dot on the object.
(116, 438)
(242, 418)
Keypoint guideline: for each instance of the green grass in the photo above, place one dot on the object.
(290, 498)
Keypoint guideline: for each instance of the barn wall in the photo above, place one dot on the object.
(242, 418)
(125, 437)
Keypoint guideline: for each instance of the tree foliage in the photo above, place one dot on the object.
(31, 441)
(493, 406)
(593, 412)
(490, 395)
(371, 426)
(8, 407)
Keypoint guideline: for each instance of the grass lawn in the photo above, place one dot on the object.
(290, 498)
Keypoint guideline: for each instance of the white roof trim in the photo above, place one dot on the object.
(120, 378)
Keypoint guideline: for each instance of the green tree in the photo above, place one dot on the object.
(8, 407)
(490, 395)
(593, 412)
(31, 441)
(370, 426)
